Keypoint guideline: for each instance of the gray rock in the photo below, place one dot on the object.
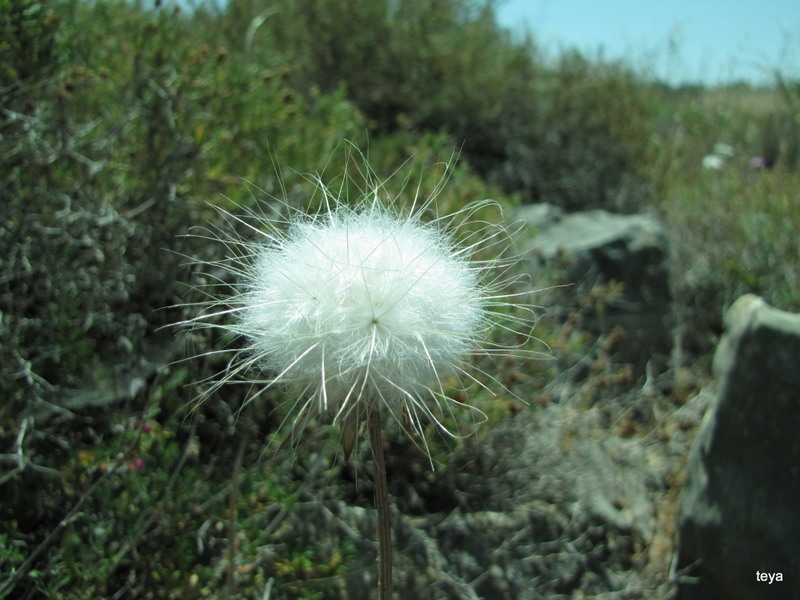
(563, 456)
(553, 502)
(740, 508)
(598, 247)
(591, 234)
(541, 215)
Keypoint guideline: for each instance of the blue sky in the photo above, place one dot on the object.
(709, 41)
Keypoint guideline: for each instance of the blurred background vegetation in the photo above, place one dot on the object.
(121, 121)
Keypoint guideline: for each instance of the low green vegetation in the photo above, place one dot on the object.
(121, 122)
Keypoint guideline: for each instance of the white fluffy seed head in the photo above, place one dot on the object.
(361, 306)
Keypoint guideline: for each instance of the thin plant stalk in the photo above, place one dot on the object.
(382, 504)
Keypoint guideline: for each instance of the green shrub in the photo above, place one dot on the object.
(570, 131)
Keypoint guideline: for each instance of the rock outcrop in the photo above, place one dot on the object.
(598, 247)
(547, 505)
(740, 509)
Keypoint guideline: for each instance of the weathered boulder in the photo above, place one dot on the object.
(739, 517)
(600, 247)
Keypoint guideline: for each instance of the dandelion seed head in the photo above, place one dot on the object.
(361, 304)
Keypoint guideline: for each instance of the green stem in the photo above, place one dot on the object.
(382, 503)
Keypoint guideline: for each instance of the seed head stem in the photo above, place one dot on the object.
(382, 504)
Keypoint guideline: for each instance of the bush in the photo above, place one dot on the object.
(570, 131)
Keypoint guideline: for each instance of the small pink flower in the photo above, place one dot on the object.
(137, 464)
(147, 427)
